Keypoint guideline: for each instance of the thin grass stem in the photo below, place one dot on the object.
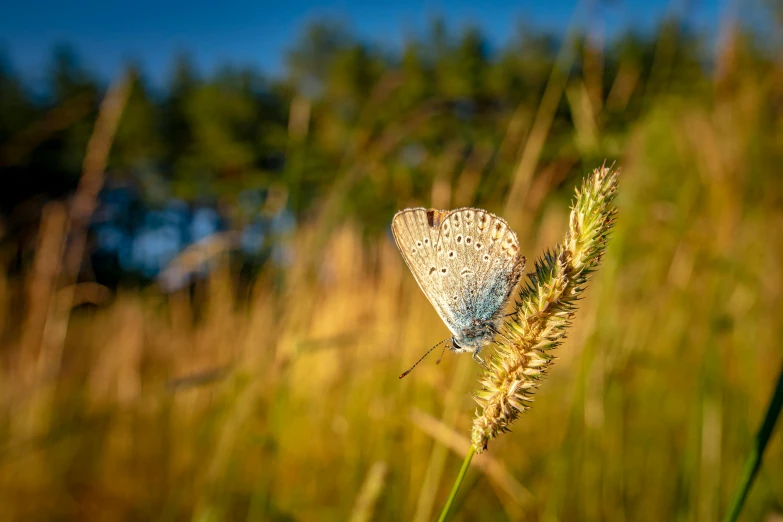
(753, 463)
(457, 483)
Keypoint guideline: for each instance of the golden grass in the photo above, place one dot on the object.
(281, 401)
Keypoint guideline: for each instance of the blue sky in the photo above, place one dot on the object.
(106, 35)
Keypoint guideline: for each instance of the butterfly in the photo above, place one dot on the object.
(467, 263)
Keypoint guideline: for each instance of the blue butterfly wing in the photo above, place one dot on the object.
(479, 264)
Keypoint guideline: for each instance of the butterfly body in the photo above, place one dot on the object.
(467, 263)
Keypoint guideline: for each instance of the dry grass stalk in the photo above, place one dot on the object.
(542, 123)
(499, 477)
(41, 282)
(81, 210)
(55, 120)
(371, 490)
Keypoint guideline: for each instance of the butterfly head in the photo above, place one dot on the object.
(474, 337)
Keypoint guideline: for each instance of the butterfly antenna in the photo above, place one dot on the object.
(441, 354)
(406, 372)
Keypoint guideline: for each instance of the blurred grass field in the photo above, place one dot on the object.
(278, 398)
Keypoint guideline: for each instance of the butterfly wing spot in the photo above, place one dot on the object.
(432, 270)
(482, 221)
(413, 251)
(497, 232)
(479, 246)
(459, 238)
(510, 246)
(443, 270)
(451, 254)
(418, 244)
(486, 257)
(426, 241)
(468, 240)
(434, 217)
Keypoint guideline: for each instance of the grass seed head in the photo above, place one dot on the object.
(544, 307)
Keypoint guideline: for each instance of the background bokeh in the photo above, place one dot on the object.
(203, 315)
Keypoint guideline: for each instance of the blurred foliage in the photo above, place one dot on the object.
(275, 396)
(380, 125)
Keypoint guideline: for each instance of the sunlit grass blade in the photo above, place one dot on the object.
(753, 463)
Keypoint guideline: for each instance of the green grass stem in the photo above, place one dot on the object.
(457, 483)
(757, 452)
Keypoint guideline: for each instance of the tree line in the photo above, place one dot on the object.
(350, 130)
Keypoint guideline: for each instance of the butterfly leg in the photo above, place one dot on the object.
(506, 338)
(498, 332)
(478, 359)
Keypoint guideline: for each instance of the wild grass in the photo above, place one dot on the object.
(280, 401)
